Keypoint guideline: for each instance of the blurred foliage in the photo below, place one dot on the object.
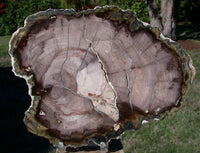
(190, 11)
(17, 10)
(138, 6)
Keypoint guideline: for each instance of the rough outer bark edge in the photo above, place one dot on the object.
(116, 14)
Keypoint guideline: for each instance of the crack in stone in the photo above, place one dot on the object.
(61, 69)
(127, 74)
(84, 58)
(129, 94)
(93, 51)
(83, 61)
(91, 48)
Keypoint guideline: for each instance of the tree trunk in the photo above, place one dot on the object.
(155, 19)
(166, 20)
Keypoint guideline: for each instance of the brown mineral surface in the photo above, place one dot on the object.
(90, 72)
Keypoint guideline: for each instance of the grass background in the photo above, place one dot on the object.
(4, 57)
(178, 132)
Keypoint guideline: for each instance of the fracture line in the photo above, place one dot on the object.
(99, 60)
(127, 77)
(61, 77)
(129, 94)
(79, 68)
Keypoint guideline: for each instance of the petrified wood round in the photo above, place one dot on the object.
(96, 73)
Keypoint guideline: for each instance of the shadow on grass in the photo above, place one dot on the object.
(14, 101)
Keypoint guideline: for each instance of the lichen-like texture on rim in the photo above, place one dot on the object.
(94, 74)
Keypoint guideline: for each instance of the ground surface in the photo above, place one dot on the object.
(178, 132)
